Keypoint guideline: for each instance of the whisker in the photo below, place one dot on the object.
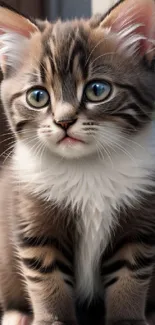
(5, 140)
(101, 56)
(8, 156)
(124, 139)
(128, 154)
(6, 134)
(4, 152)
(95, 47)
(108, 138)
(105, 150)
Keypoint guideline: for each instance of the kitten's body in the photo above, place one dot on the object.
(98, 188)
(77, 209)
(123, 188)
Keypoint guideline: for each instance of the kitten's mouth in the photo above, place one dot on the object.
(70, 140)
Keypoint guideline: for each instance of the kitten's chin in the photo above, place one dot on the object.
(75, 150)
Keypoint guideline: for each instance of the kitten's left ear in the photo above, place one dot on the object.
(15, 30)
(134, 22)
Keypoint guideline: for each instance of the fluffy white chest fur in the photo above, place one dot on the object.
(97, 187)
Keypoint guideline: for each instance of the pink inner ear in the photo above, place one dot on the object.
(17, 30)
(137, 12)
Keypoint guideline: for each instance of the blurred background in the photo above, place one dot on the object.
(50, 9)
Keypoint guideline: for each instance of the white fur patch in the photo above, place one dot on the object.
(15, 318)
(12, 47)
(128, 39)
(94, 186)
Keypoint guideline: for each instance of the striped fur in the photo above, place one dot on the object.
(78, 218)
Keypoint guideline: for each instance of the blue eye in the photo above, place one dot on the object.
(38, 97)
(97, 91)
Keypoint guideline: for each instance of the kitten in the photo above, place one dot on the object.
(77, 204)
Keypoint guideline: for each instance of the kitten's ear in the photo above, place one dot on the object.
(134, 22)
(15, 30)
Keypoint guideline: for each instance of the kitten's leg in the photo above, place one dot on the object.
(128, 277)
(48, 271)
(15, 318)
(13, 295)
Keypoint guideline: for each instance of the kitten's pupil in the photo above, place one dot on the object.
(38, 95)
(98, 89)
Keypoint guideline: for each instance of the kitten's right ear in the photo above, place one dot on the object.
(15, 30)
(132, 24)
(133, 21)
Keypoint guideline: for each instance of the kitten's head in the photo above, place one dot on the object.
(79, 87)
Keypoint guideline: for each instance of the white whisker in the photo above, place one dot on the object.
(122, 139)
(102, 147)
(117, 145)
(101, 56)
(95, 47)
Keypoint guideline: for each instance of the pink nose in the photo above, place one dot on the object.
(65, 123)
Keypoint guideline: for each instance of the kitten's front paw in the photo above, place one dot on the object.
(60, 323)
(15, 318)
(56, 323)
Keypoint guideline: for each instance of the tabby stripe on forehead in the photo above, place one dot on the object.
(47, 241)
(49, 55)
(37, 265)
(42, 71)
(78, 49)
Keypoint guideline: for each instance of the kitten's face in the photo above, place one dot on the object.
(77, 92)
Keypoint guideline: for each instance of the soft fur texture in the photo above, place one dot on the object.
(98, 193)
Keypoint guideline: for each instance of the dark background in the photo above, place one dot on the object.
(51, 9)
